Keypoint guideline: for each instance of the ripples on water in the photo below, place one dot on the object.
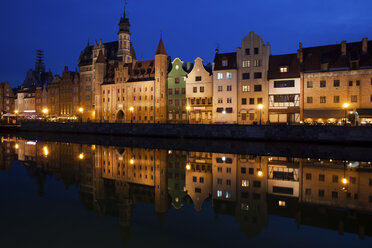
(71, 195)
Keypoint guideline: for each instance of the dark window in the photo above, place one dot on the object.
(323, 84)
(321, 193)
(244, 101)
(177, 80)
(245, 195)
(284, 84)
(177, 91)
(370, 198)
(336, 99)
(256, 50)
(251, 171)
(201, 180)
(219, 110)
(370, 182)
(251, 101)
(352, 180)
(334, 195)
(198, 78)
(246, 76)
(283, 190)
(258, 196)
(283, 175)
(371, 98)
(257, 75)
(309, 84)
(170, 91)
(355, 196)
(308, 191)
(247, 51)
(194, 179)
(258, 87)
(336, 83)
(259, 100)
(321, 177)
(195, 89)
(257, 184)
(309, 99)
(243, 170)
(201, 89)
(229, 110)
(308, 176)
(350, 83)
(197, 190)
(335, 179)
(357, 83)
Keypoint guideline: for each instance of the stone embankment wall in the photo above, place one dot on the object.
(318, 134)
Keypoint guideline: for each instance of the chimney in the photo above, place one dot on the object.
(365, 45)
(217, 50)
(343, 47)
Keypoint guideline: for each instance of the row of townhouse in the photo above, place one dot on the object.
(316, 84)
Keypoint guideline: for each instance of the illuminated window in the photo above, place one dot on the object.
(309, 99)
(245, 88)
(309, 84)
(229, 88)
(244, 206)
(219, 193)
(219, 76)
(245, 183)
(281, 203)
(257, 63)
(246, 63)
(228, 195)
(323, 99)
(225, 62)
(219, 88)
(283, 69)
(228, 75)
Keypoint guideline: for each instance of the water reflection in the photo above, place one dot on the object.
(329, 193)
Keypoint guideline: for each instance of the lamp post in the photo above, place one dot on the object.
(81, 111)
(16, 113)
(131, 109)
(345, 106)
(260, 107)
(188, 108)
(45, 112)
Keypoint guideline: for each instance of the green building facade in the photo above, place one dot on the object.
(176, 93)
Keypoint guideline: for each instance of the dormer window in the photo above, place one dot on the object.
(225, 63)
(354, 64)
(283, 69)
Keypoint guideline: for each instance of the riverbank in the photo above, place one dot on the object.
(307, 134)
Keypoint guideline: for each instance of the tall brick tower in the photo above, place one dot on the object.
(161, 72)
(124, 47)
(99, 73)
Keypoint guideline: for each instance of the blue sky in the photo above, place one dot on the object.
(190, 28)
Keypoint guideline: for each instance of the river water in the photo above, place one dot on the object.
(59, 194)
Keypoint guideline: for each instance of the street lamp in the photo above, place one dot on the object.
(81, 111)
(188, 167)
(45, 151)
(260, 107)
(345, 106)
(131, 109)
(16, 113)
(188, 108)
(81, 156)
(260, 173)
(45, 112)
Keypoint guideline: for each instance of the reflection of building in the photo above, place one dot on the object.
(199, 178)
(199, 93)
(224, 176)
(176, 164)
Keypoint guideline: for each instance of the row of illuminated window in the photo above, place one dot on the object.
(335, 194)
(177, 91)
(251, 101)
(123, 90)
(247, 63)
(228, 100)
(220, 194)
(335, 178)
(228, 75)
(336, 99)
(336, 83)
(177, 102)
(247, 75)
(134, 98)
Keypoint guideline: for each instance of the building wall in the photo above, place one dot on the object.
(284, 112)
(201, 103)
(225, 95)
(176, 93)
(248, 113)
(7, 101)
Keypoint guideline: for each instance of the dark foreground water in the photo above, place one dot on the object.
(71, 195)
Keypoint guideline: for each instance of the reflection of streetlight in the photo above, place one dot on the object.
(188, 108)
(16, 146)
(81, 156)
(345, 106)
(131, 161)
(260, 107)
(188, 167)
(45, 112)
(45, 151)
(131, 109)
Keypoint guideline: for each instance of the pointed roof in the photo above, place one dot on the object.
(161, 48)
(101, 58)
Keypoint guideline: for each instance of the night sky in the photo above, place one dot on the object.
(190, 29)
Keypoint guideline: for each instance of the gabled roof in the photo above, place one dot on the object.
(101, 58)
(277, 61)
(161, 48)
(231, 61)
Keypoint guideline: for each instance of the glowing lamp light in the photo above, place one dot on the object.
(260, 173)
(260, 106)
(16, 146)
(131, 161)
(188, 108)
(344, 180)
(81, 110)
(188, 167)
(45, 111)
(131, 109)
(16, 112)
(81, 156)
(346, 105)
